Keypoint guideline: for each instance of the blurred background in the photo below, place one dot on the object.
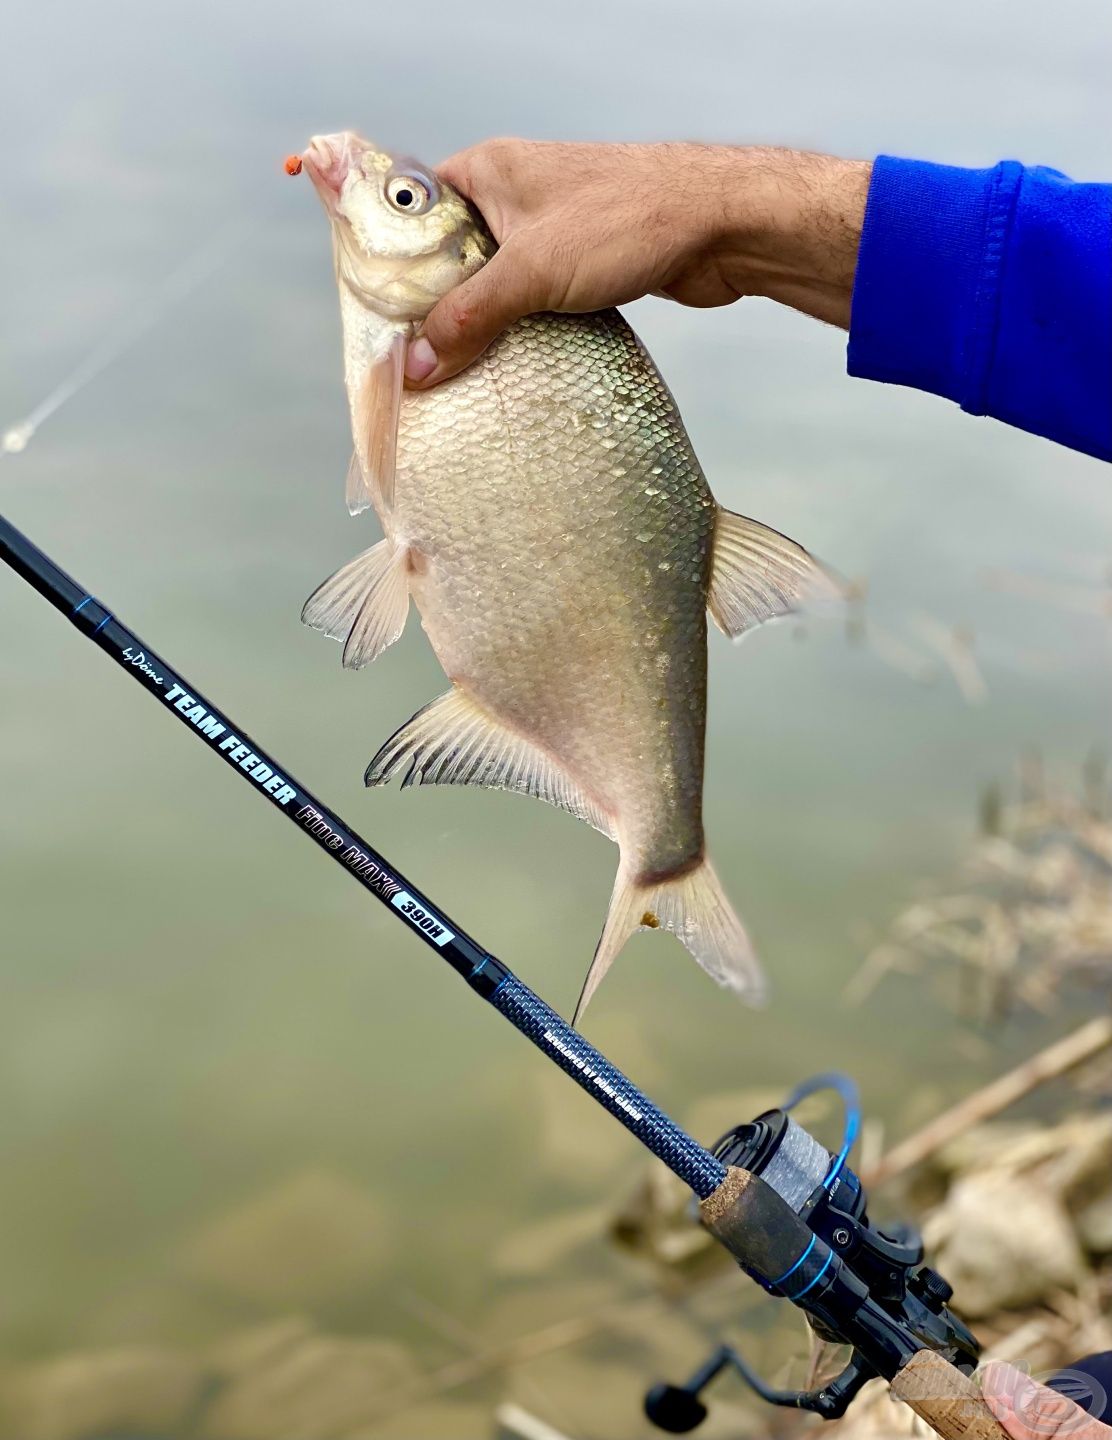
(233, 1127)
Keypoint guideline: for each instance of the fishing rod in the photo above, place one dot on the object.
(791, 1214)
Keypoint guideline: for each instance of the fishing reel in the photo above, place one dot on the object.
(887, 1266)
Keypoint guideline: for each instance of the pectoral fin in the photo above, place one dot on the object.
(759, 574)
(357, 492)
(453, 741)
(376, 422)
(365, 604)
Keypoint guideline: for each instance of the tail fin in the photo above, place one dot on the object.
(694, 907)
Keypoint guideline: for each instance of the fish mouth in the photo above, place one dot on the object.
(328, 159)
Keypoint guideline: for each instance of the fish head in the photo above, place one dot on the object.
(401, 237)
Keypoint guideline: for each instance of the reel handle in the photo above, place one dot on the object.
(946, 1398)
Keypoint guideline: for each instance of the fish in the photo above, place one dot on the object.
(545, 512)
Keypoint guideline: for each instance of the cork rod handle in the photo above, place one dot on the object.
(949, 1401)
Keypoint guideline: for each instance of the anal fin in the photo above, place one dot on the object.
(759, 574)
(365, 604)
(453, 741)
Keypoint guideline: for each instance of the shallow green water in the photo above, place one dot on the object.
(196, 1007)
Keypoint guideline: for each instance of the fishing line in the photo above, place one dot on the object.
(845, 1088)
(173, 290)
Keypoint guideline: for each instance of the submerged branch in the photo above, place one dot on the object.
(1049, 1064)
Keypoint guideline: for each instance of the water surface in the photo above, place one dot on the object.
(197, 1009)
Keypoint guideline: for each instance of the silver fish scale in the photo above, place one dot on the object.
(561, 529)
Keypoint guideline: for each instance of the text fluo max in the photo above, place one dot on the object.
(209, 726)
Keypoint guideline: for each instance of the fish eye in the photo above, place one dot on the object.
(411, 193)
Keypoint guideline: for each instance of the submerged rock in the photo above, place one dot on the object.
(308, 1240)
(540, 1305)
(434, 1420)
(261, 1346)
(981, 1147)
(308, 1386)
(571, 1142)
(1069, 1163)
(1082, 1169)
(137, 1390)
(1003, 1243)
(1068, 1157)
(1094, 1225)
(537, 1249)
(579, 1395)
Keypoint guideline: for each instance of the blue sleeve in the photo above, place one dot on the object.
(992, 288)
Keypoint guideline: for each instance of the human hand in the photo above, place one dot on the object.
(582, 227)
(1030, 1411)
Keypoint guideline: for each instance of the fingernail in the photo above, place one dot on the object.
(420, 360)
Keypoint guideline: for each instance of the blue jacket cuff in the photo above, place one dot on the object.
(924, 296)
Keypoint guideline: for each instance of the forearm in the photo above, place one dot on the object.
(791, 228)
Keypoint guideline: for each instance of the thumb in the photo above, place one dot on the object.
(461, 326)
(1029, 1411)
